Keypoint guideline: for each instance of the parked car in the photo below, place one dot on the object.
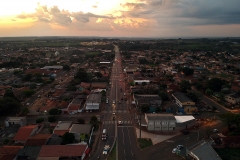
(120, 122)
(185, 131)
(175, 150)
(179, 147)
(215, 130)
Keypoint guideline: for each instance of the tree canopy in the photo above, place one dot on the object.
(9, 106)
(214, 84)
(185, 86)
(187, 71)
(68, 138)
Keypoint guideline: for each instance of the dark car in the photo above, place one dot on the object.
(185, 131)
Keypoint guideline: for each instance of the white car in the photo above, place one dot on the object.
(113, 102)
(106, 149)
(175, 150)
(120, 122)
(215, 130)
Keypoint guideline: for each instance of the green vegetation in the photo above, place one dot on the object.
(55, 111)
(52, 119)
(144, 142)
(228, 153)
(68, 138)
(112, 155)
(39, 120)
(93, 53)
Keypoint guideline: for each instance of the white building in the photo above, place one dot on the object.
(233, 98)
(22, 121)
(93, 101)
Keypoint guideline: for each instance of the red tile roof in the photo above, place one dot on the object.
(6, 150)
(60, 132)
(37, 140)
(52, 104)
(74, 107)
(62, 150)
(24, 133)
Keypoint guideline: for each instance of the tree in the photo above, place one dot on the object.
(81, 120)
(145, 108)
(185, 86)
(208, 131)
(93, 119)
(214, 84)
(144, 83)
(209, 92)
(9, 93)
(193, 96)
(28, 93)
(52, 119)
(27, 77)
(54, 111)
(187, 71)
(82, 75)
(98, 74)
(231, 120)
(163, 95)
(39, 120)
(9, 106)
(25, 111)
(68, 138)
(66, 67)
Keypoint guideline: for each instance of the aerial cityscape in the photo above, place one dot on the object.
(120, 80)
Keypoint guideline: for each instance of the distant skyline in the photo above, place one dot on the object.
(120, 18)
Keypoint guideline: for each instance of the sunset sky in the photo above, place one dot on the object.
(120, 18)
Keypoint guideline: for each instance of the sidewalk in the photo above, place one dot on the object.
(154, 137)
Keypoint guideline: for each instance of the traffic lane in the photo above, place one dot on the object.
(111, 132)
(212, 103)
(164, 149)
(133, 143)
(124, 146)
(121, 144)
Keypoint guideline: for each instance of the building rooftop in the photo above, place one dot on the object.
(63, 125)
(182, 119)
(160, 117)
(204, 150)
(80, 128)
(24, 133)
(182, 97)
(94, 98)
(62, 150)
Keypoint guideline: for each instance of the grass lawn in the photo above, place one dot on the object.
(112, 155)
(144, 142)
(93, 53)
(228, 153)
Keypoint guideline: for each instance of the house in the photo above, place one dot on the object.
(53, 67)
(93, 101)
(184, 122)
(22, 121)
(97, 85)
(140, 82)
(153, 101)
(48, 106)
(202, 150)
(78, 129)
(24, 133)
(28, 152)
(38, 140)
(185, 104)
(63, 151)
(233, 98)
(9, 152)
(62, 127)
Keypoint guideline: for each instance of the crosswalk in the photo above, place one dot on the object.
(113, 122)
(117, 111)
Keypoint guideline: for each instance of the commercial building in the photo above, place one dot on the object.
(22, 121)
(93, 101)
(167, 122)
